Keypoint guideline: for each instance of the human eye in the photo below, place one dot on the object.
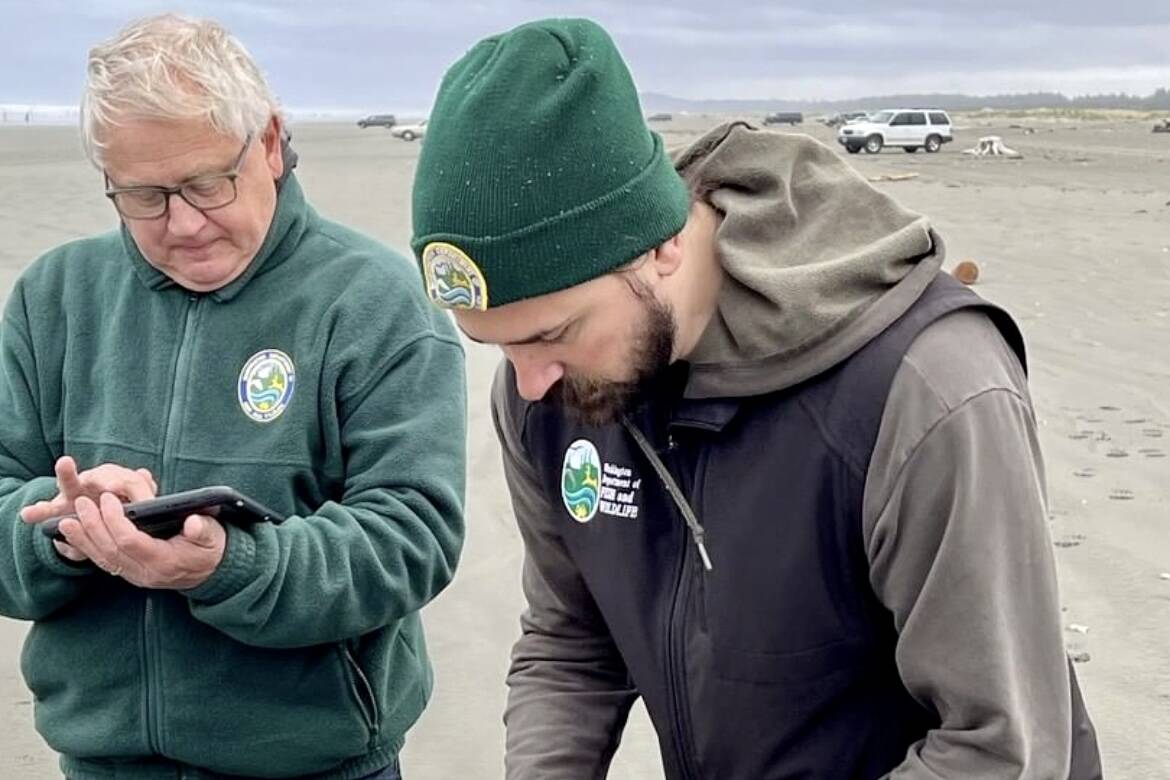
(210, 188)
(556, 335)
(146, 197)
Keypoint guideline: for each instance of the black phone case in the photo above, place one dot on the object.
(163, 517)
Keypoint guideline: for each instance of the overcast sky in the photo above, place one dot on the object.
(389, 54)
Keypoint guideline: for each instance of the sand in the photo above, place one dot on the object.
(1074, 239)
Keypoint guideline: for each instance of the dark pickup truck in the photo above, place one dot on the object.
(784, 118)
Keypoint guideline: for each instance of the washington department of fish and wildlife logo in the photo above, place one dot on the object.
(266, 385)
(580, 480)
(453, 279)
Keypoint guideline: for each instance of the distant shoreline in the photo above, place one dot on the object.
(49, 114)
(1016, 105)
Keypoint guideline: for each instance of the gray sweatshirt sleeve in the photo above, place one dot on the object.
(957, 539)
(569, 692)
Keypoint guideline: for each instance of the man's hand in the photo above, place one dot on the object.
(102, 533)
(126, 484)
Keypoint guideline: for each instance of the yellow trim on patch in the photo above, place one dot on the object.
(453, 280)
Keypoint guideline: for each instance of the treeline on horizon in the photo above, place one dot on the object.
(1158, 101)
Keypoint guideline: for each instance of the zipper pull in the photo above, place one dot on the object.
(697, 534)
(671, 486)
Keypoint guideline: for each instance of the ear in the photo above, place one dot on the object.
(272, 138)
(667, 258)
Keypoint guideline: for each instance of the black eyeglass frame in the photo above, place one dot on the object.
(230, 175)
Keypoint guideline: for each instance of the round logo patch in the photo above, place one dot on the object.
(266, 385)
(453, 279)
(580, 477)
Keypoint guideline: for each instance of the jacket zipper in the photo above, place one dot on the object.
(152, 677)
(675, 664)
(179, 385)
(675, 626)
(675, 641)
(363, 692)
(152, 654)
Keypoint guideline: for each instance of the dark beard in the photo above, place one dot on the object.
(602, 401)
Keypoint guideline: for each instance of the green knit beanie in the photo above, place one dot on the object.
(538, 171)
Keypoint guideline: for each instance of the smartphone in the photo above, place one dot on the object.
(163, 517)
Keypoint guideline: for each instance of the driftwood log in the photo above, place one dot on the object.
(991, 146)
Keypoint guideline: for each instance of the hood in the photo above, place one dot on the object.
(816, 261)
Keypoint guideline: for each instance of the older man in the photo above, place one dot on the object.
(774, 473)
(224, 334)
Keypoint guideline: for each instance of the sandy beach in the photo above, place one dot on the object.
(1073, 239)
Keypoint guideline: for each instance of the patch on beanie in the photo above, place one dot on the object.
(453, 279)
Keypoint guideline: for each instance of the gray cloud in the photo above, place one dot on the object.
(364, 54)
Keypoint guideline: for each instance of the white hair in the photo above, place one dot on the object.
(173, 67)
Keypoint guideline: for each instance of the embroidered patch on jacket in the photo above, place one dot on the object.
(590, 487)
(453, 279)
(266, 385)
(580, 479)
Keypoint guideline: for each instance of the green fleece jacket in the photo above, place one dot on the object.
(322, 383)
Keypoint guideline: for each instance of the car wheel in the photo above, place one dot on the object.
(873, 144)
(852, 149)
(408, 136)
(933, 143)
(910, 149)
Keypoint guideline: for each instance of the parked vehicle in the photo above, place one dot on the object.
(844, 117)
(910, 128)
(377, 120)
(659, 118)
(1162, 127)
(409, 132)
(784, 118)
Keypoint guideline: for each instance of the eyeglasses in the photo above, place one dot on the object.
(204, 193)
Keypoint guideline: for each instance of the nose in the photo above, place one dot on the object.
(183, 219)
(534, 374)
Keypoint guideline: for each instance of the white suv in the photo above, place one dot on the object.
(409, 132)
(910, 128)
